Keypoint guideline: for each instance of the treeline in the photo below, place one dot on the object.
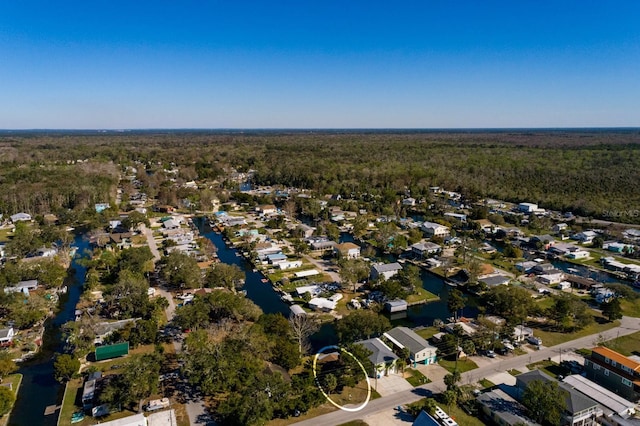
(589, 173)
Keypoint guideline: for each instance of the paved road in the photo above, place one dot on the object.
(151, 242)
(628, 325)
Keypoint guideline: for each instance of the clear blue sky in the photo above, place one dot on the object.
(319, 64)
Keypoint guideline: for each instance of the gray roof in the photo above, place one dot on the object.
(504, 407)
(408, 338)
(576, 401)
(387, 267)
(495, 280)
(381, 352)
(4, 332)
(605, 397)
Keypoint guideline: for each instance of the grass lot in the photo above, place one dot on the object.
(631, 308)
(415, 377)
(15, 380)
(427, 332)
(486, 383)
(422, 295)
(462, 418)
(327, 407)
(355, 423)
(549, 367)
(626, 345)
(4, 235)
(463, 365)
(514, 372)
(551, 338)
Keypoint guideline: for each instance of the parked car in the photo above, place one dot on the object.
(491, 354)
(534, 340)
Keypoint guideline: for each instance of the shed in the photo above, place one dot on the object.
(396, 306)
(112, 351)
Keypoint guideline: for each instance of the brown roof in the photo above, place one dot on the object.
(619, 358)
(347, 246)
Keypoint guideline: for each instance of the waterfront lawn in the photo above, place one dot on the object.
(626, 345)
(415, 377)
(463, 365)
(15, 380)
(421, 295)
(69, 402)
(552, 338)
(427, 332)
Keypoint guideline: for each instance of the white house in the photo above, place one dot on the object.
(348, 250)
(21, 217)
(385, 270)
(553, 278)
(585, 237)
(434, 229)
(527, 207)
(420, 351)
(290, 265)
(23, 287)
(578, 254)
(266, 209)
(6, 336)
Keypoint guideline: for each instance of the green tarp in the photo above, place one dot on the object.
(112, 351)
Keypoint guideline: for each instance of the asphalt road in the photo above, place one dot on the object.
(628, 325)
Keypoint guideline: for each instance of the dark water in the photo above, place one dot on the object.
(262, 294)
(39, 389)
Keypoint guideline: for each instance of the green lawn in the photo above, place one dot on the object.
(486, 383)
(549, 367)
(631, 308)
(4, 235)
(15, 380)
(427, 332)
(355, 423)
(626, 345)
(514, 372)
(463, 365)
(462, 418)
(416, 378)
(68, 402)
(422, 295)
(552, 338)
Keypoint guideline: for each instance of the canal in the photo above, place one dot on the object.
(39, 389)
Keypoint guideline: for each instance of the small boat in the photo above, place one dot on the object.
(636, 284)
(77, 417)
(264, 280)
(573, 270)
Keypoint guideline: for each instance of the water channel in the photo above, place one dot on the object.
(39, 389)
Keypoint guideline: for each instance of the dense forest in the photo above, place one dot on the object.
(591, 173)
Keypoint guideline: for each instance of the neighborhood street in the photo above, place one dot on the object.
(628, 325)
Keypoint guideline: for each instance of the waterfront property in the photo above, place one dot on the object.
(420, 351)
(382, 357)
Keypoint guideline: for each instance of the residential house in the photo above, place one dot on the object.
(580, 410)
(432, 229)
(22, 287)
(616, 409)
(559, 227)
(384, 270)
(543, 268)
(21, 217)
(6, 336)
(348, 250)
(462, 218)
(486, 226)
(578, 254)
(321, 244)
(266, 209)
(503, 409)
(614, 371)
(521, 333)
(495, 280)
(425, 248)
(290, 265)
(527, 207)
(551, 277)
(585, 237)
(425, 419)
(324, 304)
(382, 357)
(420, 351)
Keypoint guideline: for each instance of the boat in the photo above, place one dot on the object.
(77, 417)
(573, 271)
(636, 284)
(264, 280)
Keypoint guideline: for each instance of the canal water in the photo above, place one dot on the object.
(39, 389)
(262, 294)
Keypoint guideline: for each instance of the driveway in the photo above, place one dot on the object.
(390, 384)
(151, 242)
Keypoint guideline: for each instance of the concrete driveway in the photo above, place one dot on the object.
(390, 384)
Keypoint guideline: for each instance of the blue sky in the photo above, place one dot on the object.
(319, 64)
